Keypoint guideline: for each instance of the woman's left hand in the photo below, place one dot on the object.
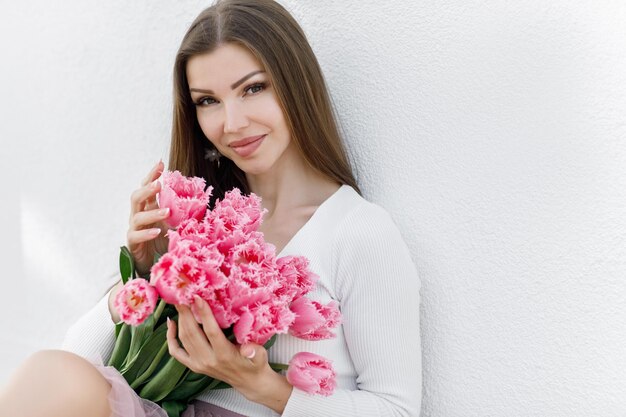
(206, 350)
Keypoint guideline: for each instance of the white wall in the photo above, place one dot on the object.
(494, 132)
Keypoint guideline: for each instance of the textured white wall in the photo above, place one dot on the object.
(494, 132)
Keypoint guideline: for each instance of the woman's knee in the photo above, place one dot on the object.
(63, 381)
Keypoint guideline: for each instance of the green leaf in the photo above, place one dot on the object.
(156, 257)
(127, 265)
(164, 381)
(174, 408)
(160, 366)
(192, 386)
(182, 379)
(193, 376)
(168, 311)
(118, 328)
(221, 385)
(148, 357)
(270, 342)
(139, 335)
(121, 346)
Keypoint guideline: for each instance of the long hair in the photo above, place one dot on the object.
(273, 36)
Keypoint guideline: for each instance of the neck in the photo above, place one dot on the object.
(289, 184)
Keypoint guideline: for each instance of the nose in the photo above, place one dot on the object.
(235, 118)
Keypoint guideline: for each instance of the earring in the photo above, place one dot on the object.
(212, 155)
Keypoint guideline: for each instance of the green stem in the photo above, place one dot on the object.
(159, 310)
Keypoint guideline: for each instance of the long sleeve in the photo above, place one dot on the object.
(378, 290)
(93, 335)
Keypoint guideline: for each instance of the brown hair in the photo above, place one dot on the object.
(272, 35)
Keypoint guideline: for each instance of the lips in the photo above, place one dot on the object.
(246, 146)
(245, 141)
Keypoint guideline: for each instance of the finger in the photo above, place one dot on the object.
(154, 173)
(151, 203)
(212, 330)
(248, 351)
(144, 219)
(174, 348)
(143, 196)
(191, 335)
(135, 237)
(256, 354)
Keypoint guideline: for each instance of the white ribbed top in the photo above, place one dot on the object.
(363, 263)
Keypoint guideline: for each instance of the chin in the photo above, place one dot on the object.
(254, 167)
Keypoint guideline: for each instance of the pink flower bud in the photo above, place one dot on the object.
(135, 301)
(311, 373)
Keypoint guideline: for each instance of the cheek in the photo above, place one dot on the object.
(273, 115)
(209, 126)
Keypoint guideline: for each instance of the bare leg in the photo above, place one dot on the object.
(55, 383)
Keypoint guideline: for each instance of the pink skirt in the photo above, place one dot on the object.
(125, 402)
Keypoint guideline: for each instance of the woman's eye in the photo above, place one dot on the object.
(255, 88)
(205, 101)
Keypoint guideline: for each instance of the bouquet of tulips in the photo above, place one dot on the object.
(220, 256)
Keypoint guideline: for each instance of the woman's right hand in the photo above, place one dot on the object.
(146, 231)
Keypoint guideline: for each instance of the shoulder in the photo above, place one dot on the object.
(368, 248)
(365, 222)
(366, 233)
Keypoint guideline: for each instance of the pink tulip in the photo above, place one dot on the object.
(296, 277)
(185, 197)
(135, 301)
(238, 212)
(188, 268)
(258, 322)
(220, 306)
(311, 373)
(254, 250)
(314, 320)
(190, 229)
(255, 321)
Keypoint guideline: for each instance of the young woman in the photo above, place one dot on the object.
(251, 110)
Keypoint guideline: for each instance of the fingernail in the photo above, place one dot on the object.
(155, 231)
(164, 211)
(251, 355)
(198, 301)
(168, 322)
(155, 184)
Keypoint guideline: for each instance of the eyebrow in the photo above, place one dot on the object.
(232, 87)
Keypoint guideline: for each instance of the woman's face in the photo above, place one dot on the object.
(237, 107)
